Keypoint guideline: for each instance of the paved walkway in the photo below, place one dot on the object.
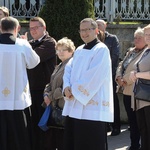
(121, 141)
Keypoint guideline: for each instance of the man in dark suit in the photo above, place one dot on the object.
(44, 46)
(112, 43)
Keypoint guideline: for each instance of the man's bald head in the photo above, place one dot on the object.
(101, 24)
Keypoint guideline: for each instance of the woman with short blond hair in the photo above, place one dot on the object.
(143, 107)
(53, 93)
(4, 12)
(122, 78)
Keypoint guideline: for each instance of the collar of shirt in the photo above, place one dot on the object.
(106, 34)
(137, 50)
(91, 44)
(7, 38)
(41, 37)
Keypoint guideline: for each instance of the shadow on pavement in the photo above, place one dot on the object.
(121, 141)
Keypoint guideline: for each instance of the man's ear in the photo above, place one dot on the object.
(15, 31)
(96, 30)
(19, 28)
(45, 27)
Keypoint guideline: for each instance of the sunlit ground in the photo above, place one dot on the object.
(121, 141)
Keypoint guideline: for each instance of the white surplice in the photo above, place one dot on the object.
(89, 75)
(14, 86)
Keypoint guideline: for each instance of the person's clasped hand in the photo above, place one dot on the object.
(68, 93)
(47, 101)
(121, 81)
(132, 76)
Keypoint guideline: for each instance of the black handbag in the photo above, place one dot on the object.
(142, 86)
(56, 119)
(142, 90)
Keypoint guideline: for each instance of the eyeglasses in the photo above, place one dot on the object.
(146, 34)
(138, 38)
(86, 30)
(34, 28)
(60, 51)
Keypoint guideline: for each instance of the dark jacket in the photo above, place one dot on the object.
(40, 75)
(112, 43)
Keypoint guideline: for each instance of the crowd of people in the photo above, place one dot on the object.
(83, 86)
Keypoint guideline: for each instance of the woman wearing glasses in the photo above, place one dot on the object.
(53, 92)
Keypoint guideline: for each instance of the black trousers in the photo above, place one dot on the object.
(143, 119)
(14, 133)
(85, 135)
(53, 139)
(37, 110)
(116, 123)
(134, 131)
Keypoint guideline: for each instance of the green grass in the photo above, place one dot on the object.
(23, 21)
(127, 22)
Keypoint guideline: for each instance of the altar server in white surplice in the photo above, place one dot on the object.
(88, 92)
(15, 56)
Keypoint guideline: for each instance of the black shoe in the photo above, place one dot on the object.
(128, 128)
(115, 132)
(108, 128)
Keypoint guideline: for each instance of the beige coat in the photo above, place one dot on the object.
(128, 89)
(54, 88)
(144, 66)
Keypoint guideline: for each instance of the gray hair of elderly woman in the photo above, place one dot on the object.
(68, 43)
(5, 10)
(9, 24)
(139, 31)
(147, 27)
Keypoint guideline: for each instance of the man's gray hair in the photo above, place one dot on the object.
(93, 22)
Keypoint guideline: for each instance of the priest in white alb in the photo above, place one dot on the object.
(88, 92)
(16, 55)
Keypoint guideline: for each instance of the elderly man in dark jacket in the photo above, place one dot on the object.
(112, 43)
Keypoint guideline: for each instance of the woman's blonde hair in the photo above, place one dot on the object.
(147, 27)
(139, 31)
(5, 11)
(68, 43)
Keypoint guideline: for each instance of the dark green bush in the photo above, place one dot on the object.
(63, 17)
